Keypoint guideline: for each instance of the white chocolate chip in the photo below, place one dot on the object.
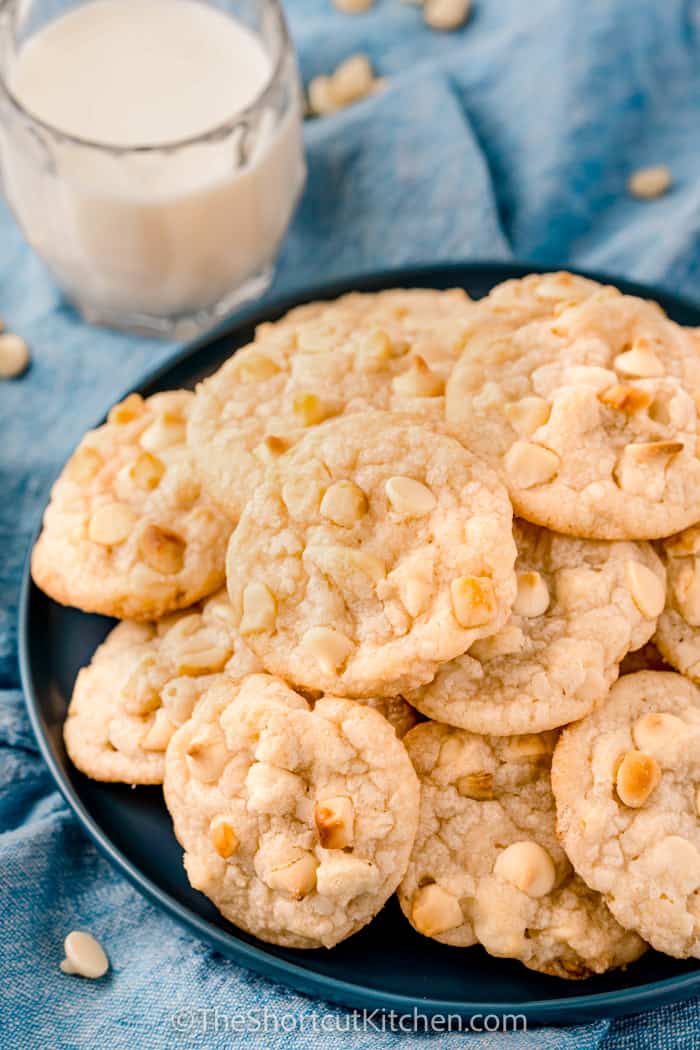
(473, 600)
(158, 736)
(163, 433)
(446, 15)
(651, 182)
(435, 911)
(84, 465)
(414, 593)
(223, 837)
(627, 399)
(376, 348)
(309, 409)
(686, 588)
(637, 776)
(259, 609)
(146, 471)
(253, 365)
(297, 879)
(639, 363)
(111, 523)
(270, 449)
(207, 755)
(14, 356)
(330, 649)
(128, 410)
(659, 734)
(418, 381)
(162, 550)
(532, 598)
(643, 462)
(528, 464)
(84, 956)
(335, 822)
(346, 561)
(647, 590)
(528, 414)
(410, 498)
(528, 867)
(344, 503)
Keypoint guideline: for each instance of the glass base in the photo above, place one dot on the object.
(182, 327)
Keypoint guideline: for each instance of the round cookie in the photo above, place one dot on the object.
(377, 549)
(297, 822)
(581, 606)
(678, 630)
(127, 532)
(142, 683)
(524, 299)
(590, 416)
(392, 350)
(626, 785)
(486, 865)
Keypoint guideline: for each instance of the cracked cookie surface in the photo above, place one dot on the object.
(626, 782)
(486, 866)
(142, 683)
(128, 532)
(581, 606)
(389, 350)
(377, 549)
(296, 822)
(590, 416)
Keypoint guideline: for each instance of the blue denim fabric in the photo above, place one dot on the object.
(510, 139)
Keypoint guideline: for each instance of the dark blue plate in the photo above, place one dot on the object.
(387, 965)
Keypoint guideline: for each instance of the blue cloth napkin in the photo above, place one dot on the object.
(512, 138)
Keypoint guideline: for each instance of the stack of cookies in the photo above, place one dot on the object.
(349, 663)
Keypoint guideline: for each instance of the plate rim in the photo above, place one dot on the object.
(327, 988)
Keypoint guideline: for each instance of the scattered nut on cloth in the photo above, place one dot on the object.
(14, 355)
(85, 956)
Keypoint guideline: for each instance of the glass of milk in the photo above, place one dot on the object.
(151, 151)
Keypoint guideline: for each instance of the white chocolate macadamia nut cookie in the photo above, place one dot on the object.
(296, 822)
(626, 782)
(486, 865)
(377, 549)
(142, 683)
(581, 606)
(678, 631)
(391, 350)
(128, 532)
(591, 416)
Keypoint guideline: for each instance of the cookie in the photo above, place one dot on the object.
(486, 865)
(678, 631)
(389, 350)
(626, 785)
(376, 550)
(581, 606)
(297, 822)
(142, 683)
(128, 532)
(590, 416)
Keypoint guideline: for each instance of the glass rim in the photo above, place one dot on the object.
(220, 130)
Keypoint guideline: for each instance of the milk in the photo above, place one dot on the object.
(132, 224)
